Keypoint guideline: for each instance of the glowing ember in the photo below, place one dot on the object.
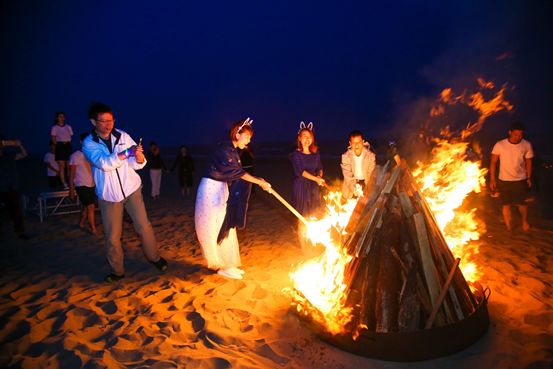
(319, 288)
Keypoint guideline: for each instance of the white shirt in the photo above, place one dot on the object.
(83, 174)
(358, 166)
(512, 163)
(50, 158)
(62, 133)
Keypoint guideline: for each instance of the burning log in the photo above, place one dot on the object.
(402, 274)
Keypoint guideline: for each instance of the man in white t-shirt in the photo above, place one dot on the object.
(515, 173)
(82, 183)
(358, 163)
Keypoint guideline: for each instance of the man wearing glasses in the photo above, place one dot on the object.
(114, 156)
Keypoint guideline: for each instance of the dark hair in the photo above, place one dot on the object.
(56, 116)
(313, 147)
(183, 147)
(153, 143)
(98, 108)
(239, 127)
(83, 136)
(517, 126)
(355, 133)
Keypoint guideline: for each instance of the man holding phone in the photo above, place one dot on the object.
(114, 157)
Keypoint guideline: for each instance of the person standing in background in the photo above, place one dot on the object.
(358, 164)
(157, 167)
(61, 137)
(82, 183)
(515, 155)
(9, 183)
(185, 170)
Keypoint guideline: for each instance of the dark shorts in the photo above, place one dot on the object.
(63, 151)
(87, 195)
(513, 192)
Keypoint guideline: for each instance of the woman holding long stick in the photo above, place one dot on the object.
(217, 216)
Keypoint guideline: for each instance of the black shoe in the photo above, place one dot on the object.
(112, 278)
(161, 264)
(23, 236)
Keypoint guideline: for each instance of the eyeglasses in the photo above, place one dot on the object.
(105, 121)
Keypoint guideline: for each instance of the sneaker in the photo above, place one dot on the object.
(229, 273)
(237, 270)
(112, 278)
(161, 264)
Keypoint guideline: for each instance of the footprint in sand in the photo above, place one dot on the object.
(198, 322)
(107, 307)
(237, 320)
(211, 363)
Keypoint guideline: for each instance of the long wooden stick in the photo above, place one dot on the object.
(290, 207)
(443, 292)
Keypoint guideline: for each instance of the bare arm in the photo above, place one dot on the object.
(529, 171)
(72, 170)
(317, 179)
(258, 181)
(493, 166)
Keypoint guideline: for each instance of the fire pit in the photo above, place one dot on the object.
(393, 289)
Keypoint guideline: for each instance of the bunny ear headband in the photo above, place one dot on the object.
(309, 126)
(247, 122)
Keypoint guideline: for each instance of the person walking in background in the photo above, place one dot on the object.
(82, 183)
(357, 164)
(11, 151)
(157, 167)
(217, 215)
(114, 156)
(61, 137)
(308, 178)
(515, 173)
(185, 170)
(52, 168)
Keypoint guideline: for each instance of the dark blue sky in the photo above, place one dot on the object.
(180, 72)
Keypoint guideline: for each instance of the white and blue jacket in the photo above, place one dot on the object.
(115, 179)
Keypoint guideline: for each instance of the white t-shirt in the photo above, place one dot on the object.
(62, 133)
(512, 164)
(83, 174)
(358, 166)
(51, 158)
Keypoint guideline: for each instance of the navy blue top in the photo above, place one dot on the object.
(225, 165)
(306, 195)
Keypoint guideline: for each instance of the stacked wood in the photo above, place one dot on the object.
(403, 276)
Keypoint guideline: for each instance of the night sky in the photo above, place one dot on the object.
(181, 72)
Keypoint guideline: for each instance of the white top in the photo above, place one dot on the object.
(512, 165)
(51, 159)
(358, 166)
(62, 133)
(115, 179)
(83, 174)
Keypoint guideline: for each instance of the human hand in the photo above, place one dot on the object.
(139, 153)
(72, 193)
(529, 181)
(320, 181)
(493, 184)
(266, 186)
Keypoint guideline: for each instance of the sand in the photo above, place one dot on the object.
(56, 311)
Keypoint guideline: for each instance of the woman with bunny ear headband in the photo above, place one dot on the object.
(222, 200)
(308, 173)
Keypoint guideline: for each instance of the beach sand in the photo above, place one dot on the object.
(56, 311)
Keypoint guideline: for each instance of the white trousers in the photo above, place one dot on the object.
(211, 207)
(155, 178)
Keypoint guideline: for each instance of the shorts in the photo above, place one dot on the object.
(63, 151)
(54, 182)
(87, 195)
(512, 192)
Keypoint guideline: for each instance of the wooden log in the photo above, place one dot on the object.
(442, 295)
(427, 262)
(389, 274)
